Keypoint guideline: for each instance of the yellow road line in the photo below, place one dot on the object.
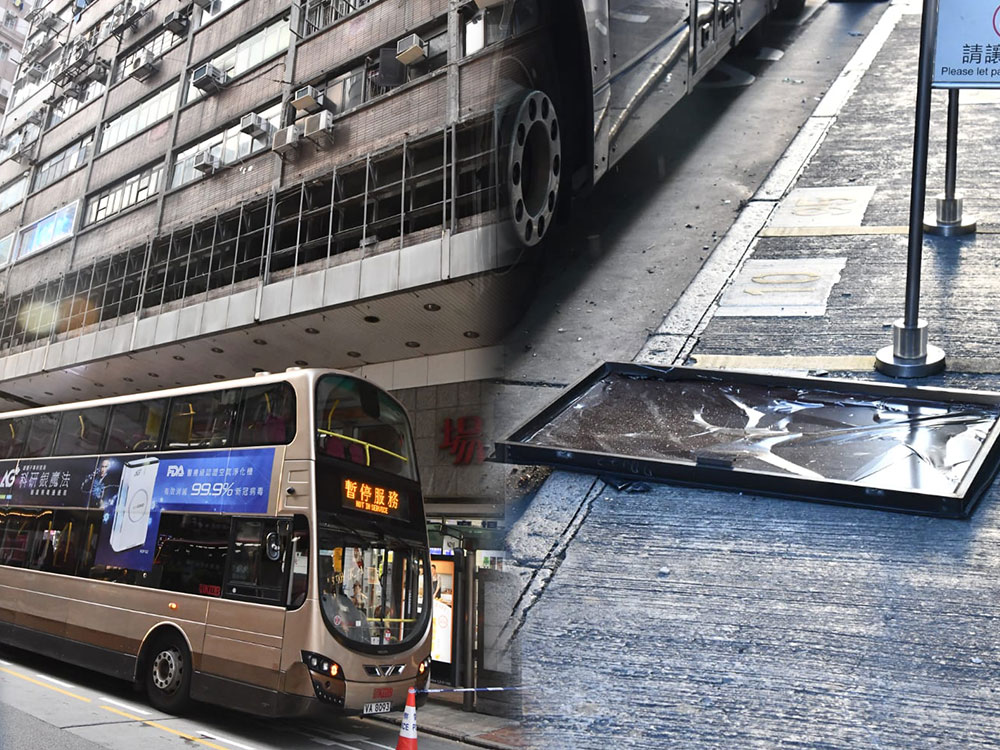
(45, 685)
(157, 725)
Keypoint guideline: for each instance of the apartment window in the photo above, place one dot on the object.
(6, 245)
(4, 51)
(156, 46)
(140, 117)
(130, 192)
(319, 15)
(63, 163)
(489, 27)
(12, 193)
(347, 90)
(230, 145)
(68, 105)
(240, 58)
(9, 20)
(217, 8)
(46, 232)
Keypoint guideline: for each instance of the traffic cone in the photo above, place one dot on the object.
(408, 729)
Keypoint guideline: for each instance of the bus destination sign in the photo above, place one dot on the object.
(371, 498)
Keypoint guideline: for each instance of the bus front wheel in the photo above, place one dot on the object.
(168, 674)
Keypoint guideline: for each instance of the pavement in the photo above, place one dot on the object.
(443, 716)
(694, 618)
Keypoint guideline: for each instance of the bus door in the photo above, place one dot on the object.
(243, 633)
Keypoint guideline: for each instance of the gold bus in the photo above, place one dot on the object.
(257, 543)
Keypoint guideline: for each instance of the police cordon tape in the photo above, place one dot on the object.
(472, 690)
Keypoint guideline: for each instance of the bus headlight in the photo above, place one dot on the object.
(424, 666)
(322, 664)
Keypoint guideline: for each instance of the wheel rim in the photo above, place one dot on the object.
(533, 167)
(168, 670)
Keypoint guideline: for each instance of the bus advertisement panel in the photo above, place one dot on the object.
(132, 491)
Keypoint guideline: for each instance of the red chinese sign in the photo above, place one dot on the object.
(463, 438)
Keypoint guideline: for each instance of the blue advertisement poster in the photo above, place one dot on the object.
(134, 491)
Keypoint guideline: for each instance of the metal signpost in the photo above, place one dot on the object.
(959, 48)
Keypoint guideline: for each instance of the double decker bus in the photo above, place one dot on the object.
(257, 543)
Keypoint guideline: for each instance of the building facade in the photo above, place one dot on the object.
(13, 29)
(198, 191)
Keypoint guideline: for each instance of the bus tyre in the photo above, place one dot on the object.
(533, 166)
(168, 674)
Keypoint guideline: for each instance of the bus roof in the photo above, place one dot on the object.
(292, 374)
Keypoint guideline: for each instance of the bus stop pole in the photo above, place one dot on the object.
(909, 355)
(469, 641)
(949, 205)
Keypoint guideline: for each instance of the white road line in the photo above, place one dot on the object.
(6, 663)
(220, 738)
(53, 680)
(129, 706)
(324, 741)
(629, 17)
(384, 747)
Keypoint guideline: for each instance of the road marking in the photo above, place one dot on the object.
(384, 747)
(219, 738)
(129, 706)
(629, 17)
(45, 685)
(830, 231)
(782, 362)
(159, 726)
(324, 741)
(6, 663)
(57, 682)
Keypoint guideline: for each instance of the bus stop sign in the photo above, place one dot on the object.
(967, 44)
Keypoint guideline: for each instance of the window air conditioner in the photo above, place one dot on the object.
(143, 66)
(35, 117)
(206, 4)
(318, 129)
(308, 99)
(209, 78)
(206, 162)
(50, 21)
(176, 22)
(286, 140)
(34, 71)
(255, 126)
(410, 50)
(489, 3)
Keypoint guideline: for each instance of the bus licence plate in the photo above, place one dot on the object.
(382, 707)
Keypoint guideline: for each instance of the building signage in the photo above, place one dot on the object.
(968, 44)
(463, 439)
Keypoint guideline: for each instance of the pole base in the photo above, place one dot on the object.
(900, 367)
(956, 229)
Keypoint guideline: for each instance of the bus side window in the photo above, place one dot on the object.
(202, 420)
(41, 435)
(191, 553)
(257, 559)
(268, 416)
(13, 433)
(136, 426)
(81, 431)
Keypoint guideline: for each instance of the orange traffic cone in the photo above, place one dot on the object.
(408, 729)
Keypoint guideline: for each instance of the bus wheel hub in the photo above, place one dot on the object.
(533, 167)
(166, 671)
